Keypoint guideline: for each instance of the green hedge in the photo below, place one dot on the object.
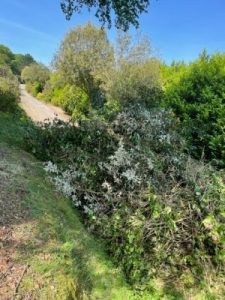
(196, 93)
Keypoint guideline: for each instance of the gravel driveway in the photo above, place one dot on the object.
(39, 111)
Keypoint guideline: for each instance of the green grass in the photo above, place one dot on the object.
(12, 128)
(66, 262)
(61, 250)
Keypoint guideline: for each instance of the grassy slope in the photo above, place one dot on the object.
(65, 261)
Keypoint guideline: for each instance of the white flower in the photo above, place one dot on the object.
(150, 164)
(107, 186)
(121, 156)
(130, 175)
(51, 168)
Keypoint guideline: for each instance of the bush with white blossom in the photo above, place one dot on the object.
(158, 210)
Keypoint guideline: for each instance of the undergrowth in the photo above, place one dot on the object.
(160, 212)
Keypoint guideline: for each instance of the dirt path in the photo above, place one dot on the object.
(39, 111)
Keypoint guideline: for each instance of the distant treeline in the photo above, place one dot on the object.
(16, 62)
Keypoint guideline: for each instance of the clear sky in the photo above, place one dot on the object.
(178, 29)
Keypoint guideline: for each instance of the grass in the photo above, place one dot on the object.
(12, 128)
(65, 261)
(60, 250)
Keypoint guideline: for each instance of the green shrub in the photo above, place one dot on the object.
(55, 83)
(137, 83)
(35, 76)
(73, 100)
(197, 96)
(9, 90)
(158, 211)
(34, 88)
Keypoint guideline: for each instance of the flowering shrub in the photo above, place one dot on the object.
(159, 211)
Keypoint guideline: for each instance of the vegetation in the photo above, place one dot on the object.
(196, 92)
(35, 77)
(20, 62)
(16, 62)
(127, 167)
(100, 78)
(159, 211)
(136, 77)
(138, 163)
(11, 66)
(9, 90)
(24, 68)
(126, 12)
(63, 260)
(85, 58)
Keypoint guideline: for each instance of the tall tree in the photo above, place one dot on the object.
(16, 62)
(36, 74)
(136, 78)
(6, 55)
(20, 62)
(126, 12)
(85, 58)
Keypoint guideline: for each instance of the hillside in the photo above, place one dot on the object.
(122, 196)
(45, 252)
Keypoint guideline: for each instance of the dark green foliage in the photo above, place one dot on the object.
(53, 140)
(126, 12)
(197, 96)
(20, 61)
(16, 62)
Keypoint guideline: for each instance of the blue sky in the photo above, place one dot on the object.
(178, 29)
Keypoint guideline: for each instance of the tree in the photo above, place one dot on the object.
(35, 77)
(85, 58)
(16, 62)
(9, 91)
(6, 72)
(6, 55)
(20, 61)
(136, 78)
(35, 73)
(126, 12)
